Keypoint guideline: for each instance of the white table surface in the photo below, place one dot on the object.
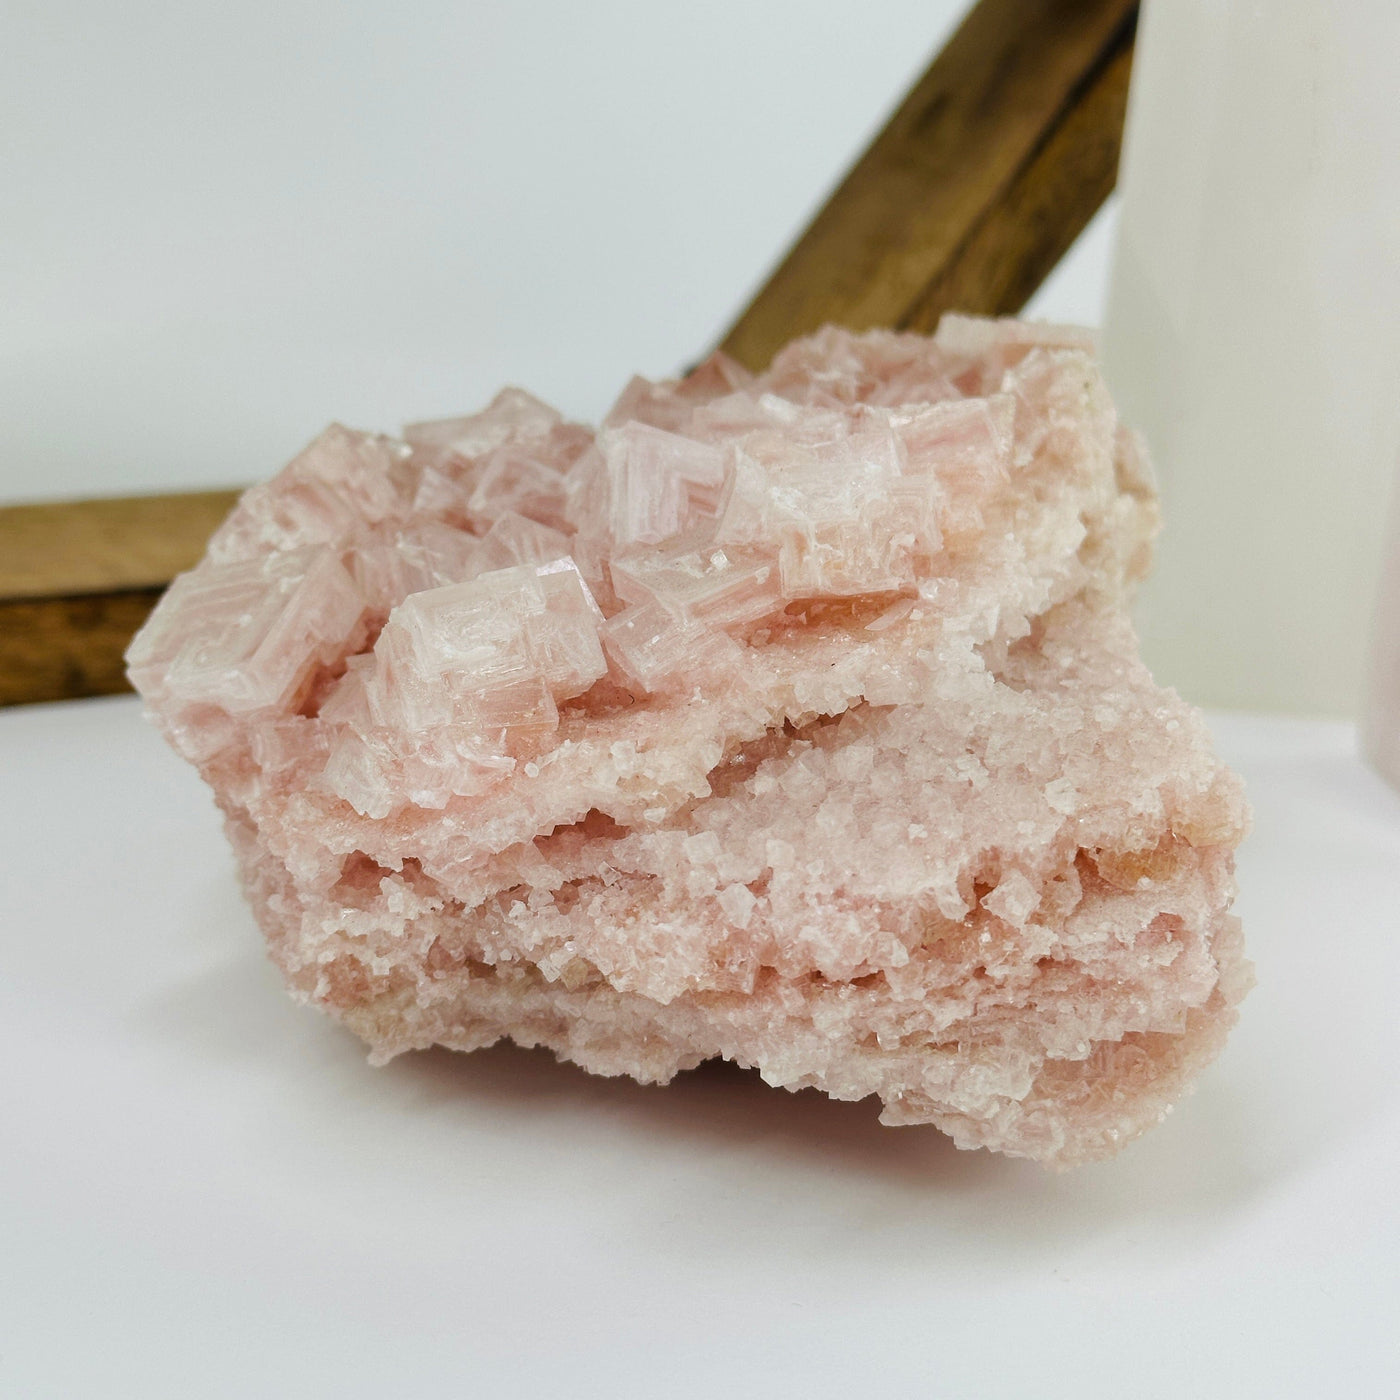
(207, 1191)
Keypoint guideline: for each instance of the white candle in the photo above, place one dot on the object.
(1254, 335)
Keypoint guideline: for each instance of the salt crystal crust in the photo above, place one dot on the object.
(793, 719)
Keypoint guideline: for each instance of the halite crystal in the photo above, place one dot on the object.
(794, 719)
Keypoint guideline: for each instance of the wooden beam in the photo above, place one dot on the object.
(980, 182)
(65, 548)
(68, 648)
(1016, 245)
(984, 176)
(77, 578)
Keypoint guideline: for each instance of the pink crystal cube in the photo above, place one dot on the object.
(797, 720)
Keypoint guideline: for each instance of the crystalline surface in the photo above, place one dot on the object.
(794, 719)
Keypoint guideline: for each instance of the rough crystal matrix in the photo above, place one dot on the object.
(793, 719)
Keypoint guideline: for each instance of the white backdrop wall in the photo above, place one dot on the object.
(223, 226)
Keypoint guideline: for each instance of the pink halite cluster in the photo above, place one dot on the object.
(795, 719)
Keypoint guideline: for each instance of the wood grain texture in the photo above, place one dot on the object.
(981, 180)
(77, 578)
(1012, 250)
(979, 183)
(66, 648)
(73, 547)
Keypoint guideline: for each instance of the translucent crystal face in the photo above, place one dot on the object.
(496, 653)
(793, 718)
(251, 631)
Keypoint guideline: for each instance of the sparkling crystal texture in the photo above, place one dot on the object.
(795, 719)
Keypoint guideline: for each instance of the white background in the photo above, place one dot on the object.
(222, 226)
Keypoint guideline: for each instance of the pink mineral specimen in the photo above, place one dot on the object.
(795, 719)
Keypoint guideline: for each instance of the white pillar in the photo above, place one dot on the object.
(1254, 335)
